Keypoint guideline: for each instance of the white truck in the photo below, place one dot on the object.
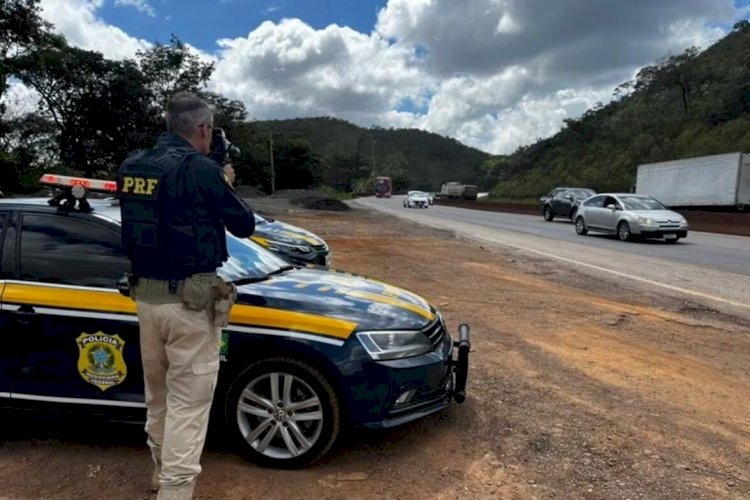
(456, 190)
(707, 182)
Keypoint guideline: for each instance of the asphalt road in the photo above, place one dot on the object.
(705, 266)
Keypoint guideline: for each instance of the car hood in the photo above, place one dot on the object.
(286, 233)
(418, 197)
(658, 215)
(329, 303)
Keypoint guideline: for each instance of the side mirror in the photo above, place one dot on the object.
(123, 286)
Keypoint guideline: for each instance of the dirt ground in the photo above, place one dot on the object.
(578, 388)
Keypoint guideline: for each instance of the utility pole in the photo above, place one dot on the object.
(273, 171)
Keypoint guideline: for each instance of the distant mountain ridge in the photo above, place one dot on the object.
(414, 158)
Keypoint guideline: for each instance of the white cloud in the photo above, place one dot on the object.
(274, 7)
(77, 20)
(290, 69)
(19, 99)
(141, 5)
(527, 120)
(495, 74)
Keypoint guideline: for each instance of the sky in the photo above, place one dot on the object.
(493, 74)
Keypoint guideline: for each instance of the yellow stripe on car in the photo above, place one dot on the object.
(382, 299)
(102, 301)
(261, 241)
(304, 237)
(53, 296)
(296, 321)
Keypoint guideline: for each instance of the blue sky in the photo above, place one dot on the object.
(202, 22)
(493, 74)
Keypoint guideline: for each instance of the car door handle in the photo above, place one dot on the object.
(25, 315)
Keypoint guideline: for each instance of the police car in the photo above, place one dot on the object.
(293, 243)
(307, 351)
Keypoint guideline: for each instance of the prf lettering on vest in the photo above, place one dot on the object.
(139, 185)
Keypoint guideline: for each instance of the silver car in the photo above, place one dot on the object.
(630, 215)
(417, 199)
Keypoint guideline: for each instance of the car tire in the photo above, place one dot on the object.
(623, 231)
(548, 215)
(581, 227)
(573, 214)
(272, 428)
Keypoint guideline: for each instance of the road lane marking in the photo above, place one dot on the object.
(616, 273)
(439, 223)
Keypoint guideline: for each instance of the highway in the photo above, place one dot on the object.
(707, 267)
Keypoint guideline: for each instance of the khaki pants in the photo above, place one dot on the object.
(180, 354)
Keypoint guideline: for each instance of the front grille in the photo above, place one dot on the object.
(435, 331)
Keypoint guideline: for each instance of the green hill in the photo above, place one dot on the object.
(344, 156)
(692, 104)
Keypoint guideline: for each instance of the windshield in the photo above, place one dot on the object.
(248, 260)
(582, 193)
(641, 203)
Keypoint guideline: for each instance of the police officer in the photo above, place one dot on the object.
(175, 205)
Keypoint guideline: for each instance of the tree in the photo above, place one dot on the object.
(102, 109)
(168, 69)
(296, 164)
(670, 72)
(21, 31)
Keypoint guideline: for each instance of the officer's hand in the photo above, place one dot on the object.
(229, 174)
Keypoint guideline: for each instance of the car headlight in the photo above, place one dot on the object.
(646, 221)
(283, 246)
(395, 344)
(289, 247)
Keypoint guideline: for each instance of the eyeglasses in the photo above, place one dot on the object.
(210, 127)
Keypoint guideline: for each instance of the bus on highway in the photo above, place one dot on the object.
(383, 187)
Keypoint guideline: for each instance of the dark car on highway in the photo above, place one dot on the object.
(563, 201)
(307, 353)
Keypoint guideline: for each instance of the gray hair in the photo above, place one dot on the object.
(186, 111)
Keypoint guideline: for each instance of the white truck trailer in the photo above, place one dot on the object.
(708, 182)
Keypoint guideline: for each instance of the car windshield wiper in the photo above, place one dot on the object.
(256, 279)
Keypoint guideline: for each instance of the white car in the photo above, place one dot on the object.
(418, 199)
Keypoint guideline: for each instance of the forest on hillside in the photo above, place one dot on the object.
(692, 104)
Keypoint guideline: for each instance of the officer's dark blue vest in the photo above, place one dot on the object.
(159, 235)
